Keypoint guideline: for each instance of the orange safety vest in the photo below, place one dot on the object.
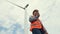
(36, 24)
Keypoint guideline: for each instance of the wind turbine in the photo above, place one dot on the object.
(25, 19)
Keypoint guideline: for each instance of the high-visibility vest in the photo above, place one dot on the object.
(36, 24)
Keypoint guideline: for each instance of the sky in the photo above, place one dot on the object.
(11, 15)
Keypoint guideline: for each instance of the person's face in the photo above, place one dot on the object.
(36, 13)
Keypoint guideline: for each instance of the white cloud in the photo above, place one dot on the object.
(49, 10)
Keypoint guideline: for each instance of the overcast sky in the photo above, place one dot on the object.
(48, 9)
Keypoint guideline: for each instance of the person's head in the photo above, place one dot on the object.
(35, 12)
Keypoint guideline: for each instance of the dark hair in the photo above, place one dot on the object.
(35, 11)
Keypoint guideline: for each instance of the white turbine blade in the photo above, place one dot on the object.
(16, 5)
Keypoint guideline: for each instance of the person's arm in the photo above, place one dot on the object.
(45, 31)
(32, 19)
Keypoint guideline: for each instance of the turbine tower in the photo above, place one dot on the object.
(25, 15)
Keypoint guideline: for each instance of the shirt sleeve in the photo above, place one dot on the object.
(31, 19)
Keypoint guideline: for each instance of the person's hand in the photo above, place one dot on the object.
(46, 33)
(37, 14)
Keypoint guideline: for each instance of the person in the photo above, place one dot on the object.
(36, 24)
